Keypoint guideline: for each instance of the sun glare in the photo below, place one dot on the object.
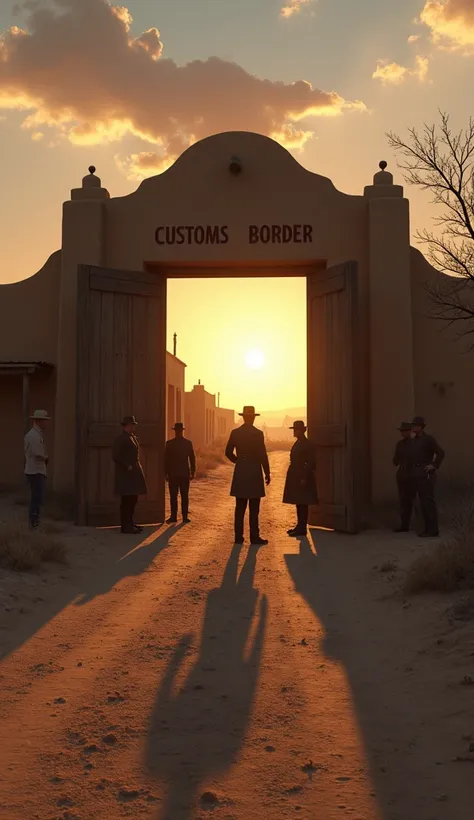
(255, 359)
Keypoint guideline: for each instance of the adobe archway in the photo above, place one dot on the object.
(199, 213)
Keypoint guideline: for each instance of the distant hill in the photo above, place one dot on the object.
(274, 418)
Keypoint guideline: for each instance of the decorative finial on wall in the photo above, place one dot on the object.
(382, 165)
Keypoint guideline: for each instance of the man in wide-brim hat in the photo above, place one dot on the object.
(246, 449)
(403, 459)
(129, 478)
(427, 459)
(180, 469)
(36, 463)
(300, 485)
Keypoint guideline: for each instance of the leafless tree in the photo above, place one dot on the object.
(442, 162)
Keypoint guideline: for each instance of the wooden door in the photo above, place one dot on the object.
(120, 371)
(333, 412)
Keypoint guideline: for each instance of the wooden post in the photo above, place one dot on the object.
(26, 402)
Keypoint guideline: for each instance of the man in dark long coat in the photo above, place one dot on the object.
(300, 486)
(180, 469)
(427, 459)
(129, 478)
(246, 449)
(403, 459)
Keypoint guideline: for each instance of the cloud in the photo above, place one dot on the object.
(292, 7)
(414, 38)
(451, 23)
(394, 73)
(74, 65)
(142, 165)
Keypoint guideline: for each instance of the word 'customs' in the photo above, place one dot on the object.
(220, 234)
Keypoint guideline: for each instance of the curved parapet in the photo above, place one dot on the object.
(29, 315)
(241, 152)
(234, 196)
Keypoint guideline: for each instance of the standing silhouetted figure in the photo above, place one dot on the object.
(129, 478)
(180, 469)
(246, 449)
(300, 486)
(36, 463)
(427, 459)
(403, 459)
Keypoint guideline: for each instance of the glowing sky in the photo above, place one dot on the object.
(126, 88)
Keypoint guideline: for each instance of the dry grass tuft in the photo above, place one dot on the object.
(451, 565)
(22, 549)
(209, 458)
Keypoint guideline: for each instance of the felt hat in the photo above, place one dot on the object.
(178, 426)
(405, 425)
(249, 411)
(298, 425)
(418, 420)
(129, 420)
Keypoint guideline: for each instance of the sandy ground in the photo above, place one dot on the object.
(175, 677)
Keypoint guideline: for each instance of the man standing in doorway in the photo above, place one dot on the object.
(129, 478)
(403, 459)
(246, 449)
(300, 485)
(180, 469)
(427, 459)
(36, 462)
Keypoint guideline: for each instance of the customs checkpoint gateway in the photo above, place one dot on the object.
(234, 205)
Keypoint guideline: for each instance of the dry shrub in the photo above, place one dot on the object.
(23, 549)
(209, 458)
(451, 565)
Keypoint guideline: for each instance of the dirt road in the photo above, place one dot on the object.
(177, 678)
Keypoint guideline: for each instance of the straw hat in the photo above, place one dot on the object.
(40, 414)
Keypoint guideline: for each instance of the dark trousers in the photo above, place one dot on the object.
(254, 510)
(179, 484)
(425, 488)
(302, 512)
(406, 496)
(37, 484)
(127, 509)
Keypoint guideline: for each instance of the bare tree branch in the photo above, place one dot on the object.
(442, 162)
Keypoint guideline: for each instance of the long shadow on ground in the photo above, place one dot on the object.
(130, 559)
(406, 776)
(196, 734)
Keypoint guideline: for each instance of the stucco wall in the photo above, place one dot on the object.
(440, 357)
(200, 415)
(29, 315)
(225, 421)
(42, 393)
(175, 373)
(28, 333)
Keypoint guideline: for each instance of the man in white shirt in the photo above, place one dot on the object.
(36, 462)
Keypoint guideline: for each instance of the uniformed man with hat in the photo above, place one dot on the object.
(180, 469)
(246, 449)
(403, 459)
(427, 459)
(300, 486)
(129, 478)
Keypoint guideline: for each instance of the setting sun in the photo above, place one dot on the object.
(255, 359)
